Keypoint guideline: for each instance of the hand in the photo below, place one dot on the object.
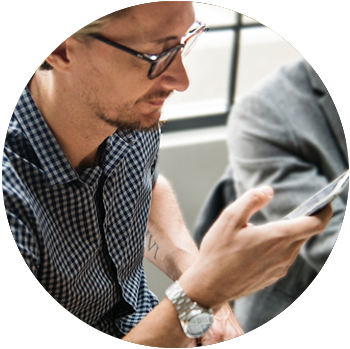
(225, 327)
(237, 259)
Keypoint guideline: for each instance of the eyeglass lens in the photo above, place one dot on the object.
(191, 41)
(163, 63)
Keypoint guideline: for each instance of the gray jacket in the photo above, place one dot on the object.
(286, 133)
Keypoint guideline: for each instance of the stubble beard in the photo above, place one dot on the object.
(127, 120)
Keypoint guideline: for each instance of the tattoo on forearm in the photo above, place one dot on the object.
(150, 246)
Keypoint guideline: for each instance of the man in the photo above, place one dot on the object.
(286, 133)
(79, 175)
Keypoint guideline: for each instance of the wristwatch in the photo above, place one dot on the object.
(195, 319)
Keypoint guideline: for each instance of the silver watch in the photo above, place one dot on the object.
(195, 319)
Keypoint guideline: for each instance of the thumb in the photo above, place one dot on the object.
(249, 203)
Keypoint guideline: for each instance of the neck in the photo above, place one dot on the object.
(76, 128)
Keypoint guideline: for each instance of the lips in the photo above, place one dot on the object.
(157, 102)
(156, 98)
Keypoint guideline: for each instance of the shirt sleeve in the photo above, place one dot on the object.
(264, 150)
(26, 242)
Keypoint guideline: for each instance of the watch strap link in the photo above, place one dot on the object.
(182, 303)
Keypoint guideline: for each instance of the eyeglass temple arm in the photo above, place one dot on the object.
(121, 47)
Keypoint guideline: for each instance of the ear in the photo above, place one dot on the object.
(59, 59)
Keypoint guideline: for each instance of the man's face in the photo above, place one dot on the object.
(113, 84)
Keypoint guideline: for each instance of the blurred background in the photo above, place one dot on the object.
(234, 55)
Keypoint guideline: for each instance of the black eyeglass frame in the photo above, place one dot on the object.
(155, 58)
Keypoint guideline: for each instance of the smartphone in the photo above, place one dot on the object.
(322, 198)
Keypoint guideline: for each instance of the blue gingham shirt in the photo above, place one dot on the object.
(82, 233)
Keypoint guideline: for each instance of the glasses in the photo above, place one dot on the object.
(160, 62)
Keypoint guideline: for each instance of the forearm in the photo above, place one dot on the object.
(169, 245)
(160, 328)
(235, 259)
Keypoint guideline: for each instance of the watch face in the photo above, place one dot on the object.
(199, 324)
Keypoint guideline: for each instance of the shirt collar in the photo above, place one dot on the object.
(54, 162)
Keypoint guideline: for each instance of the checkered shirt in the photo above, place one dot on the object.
(82, 234)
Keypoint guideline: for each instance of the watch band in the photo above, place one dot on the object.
(195, 320)
(178, 297)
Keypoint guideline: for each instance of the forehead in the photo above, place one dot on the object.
(152, 21)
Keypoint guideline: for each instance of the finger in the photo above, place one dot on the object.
(301, 228)
(252, 201)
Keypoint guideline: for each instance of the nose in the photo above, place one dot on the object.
(175, 77)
